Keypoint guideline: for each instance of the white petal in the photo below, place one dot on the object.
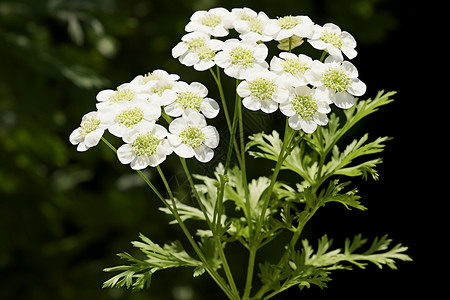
(321, 119)
(179, 49)
(281, 96)
(82, 147)
(261, 52)
(251, 103)
(221, 59)
(308, 126)
(350, 69)
(159, 131)
(173, 110)
(104, 95)
(75, 137)
(203, 153)
(357, 88)
(139, 163)
(199, 88)
(204, 65)
(349, 52)
(294, 122)
(287, 109)
(184, 151)
(177, 125)
(189, 59)
(173, 139)
(269, 106)
(243, 90)
(195, 118)
(93, 138)
(210, 108)
(211, 136)
(155, 160)
(344, 100)
(125, 154)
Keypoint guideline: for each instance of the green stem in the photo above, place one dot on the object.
(211, 226)
(288, 135)
(243, 164)
(250, 270)
(301, 225)
(213, 273)
(195, 192)
(324, 54)
(226, 113)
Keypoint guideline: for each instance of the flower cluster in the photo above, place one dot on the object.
(302, 88)
(132, 111)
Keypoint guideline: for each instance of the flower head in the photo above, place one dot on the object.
(215, 22)
(89, 133)
(124, 93)
(191, 97)
(329, 37)
(288, 26)
(125, 116)
(306, 108)
(145, 83)
(253, 26)
(338, 79)
(291, 67)
(190, 136)
(240, 58)
(146, 145)
(197, 49)
(263, 91)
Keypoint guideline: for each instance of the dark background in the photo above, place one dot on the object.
(64, 214)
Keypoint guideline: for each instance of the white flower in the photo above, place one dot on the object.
(338, 79)
(190, 136)
(191, 97)
(333, 40)
(146, 145)
(254, 26)
(145, 83)
(89, 133)
(263, 90)
(122, 94)
(291, 67)
(240, 58)
(288, 26)
(163, 91)
(124, 116)
(215, 22)
(306, 109)
(197, 49)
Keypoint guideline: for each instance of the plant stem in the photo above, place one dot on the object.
(243, 164)
(250, 270)
(226, 113)
(216, 236)
(173, 209)
(288, 135)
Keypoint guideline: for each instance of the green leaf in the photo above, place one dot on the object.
(137, 275)
(325, 137)
(340, 161)
(378, 254)
(333, 194)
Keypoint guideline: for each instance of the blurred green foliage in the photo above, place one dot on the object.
(64, 214)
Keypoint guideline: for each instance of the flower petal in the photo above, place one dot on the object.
(204, 153)
(125, 154)
(211, 136)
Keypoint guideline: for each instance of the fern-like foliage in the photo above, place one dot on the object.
(138, 273)
(307, 267)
